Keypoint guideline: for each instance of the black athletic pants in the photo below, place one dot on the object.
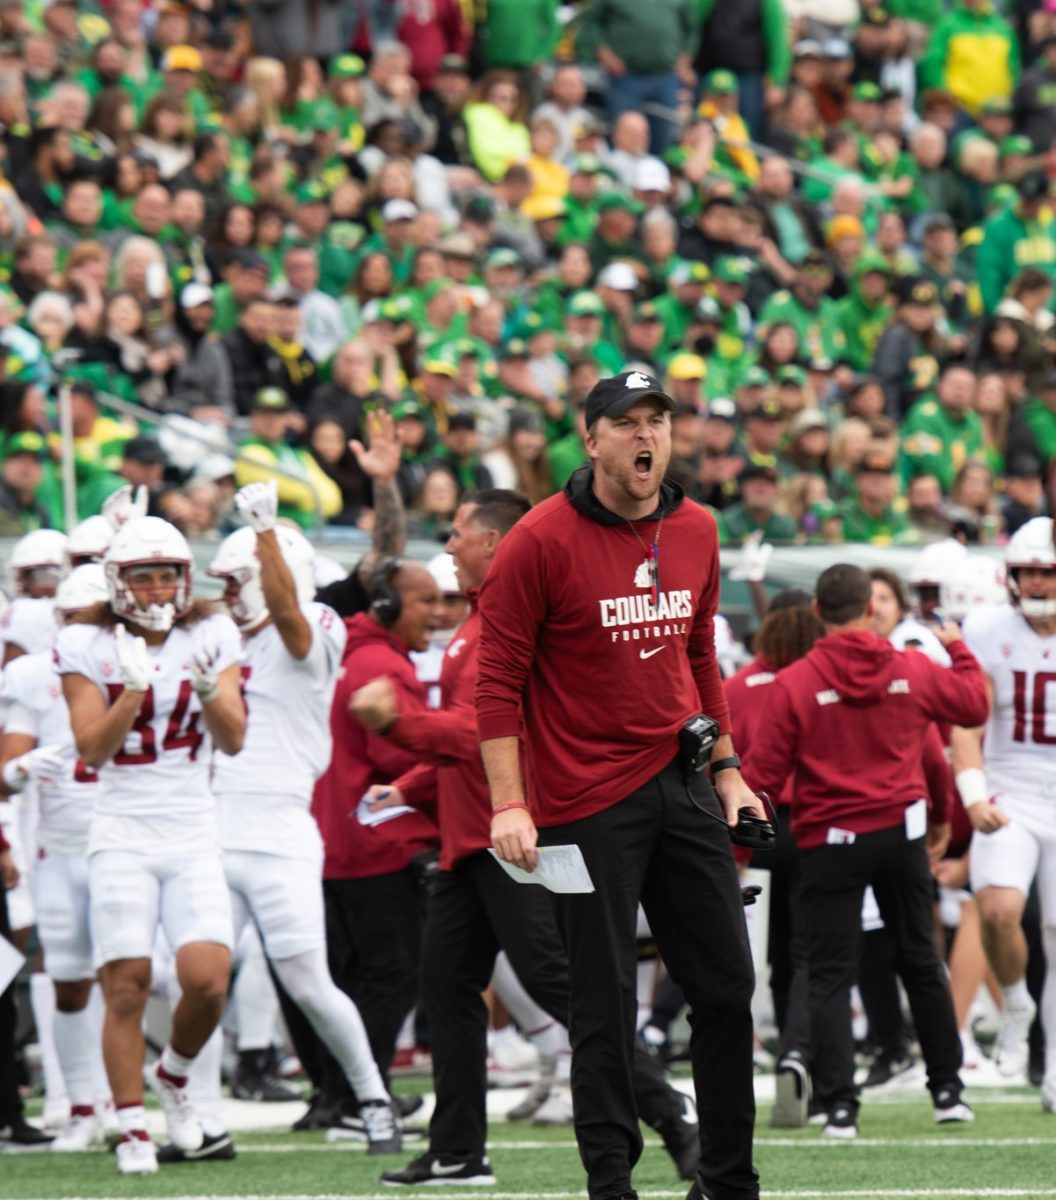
(374, 937)
(10, 1100)
(656, 846)
(477, 910)
(787, 943)
(834, 878)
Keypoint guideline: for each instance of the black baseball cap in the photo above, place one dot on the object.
(143, 449)
(613, 397)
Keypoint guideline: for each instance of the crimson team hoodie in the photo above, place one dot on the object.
(606, 668)
(361, 758)
(850, 720)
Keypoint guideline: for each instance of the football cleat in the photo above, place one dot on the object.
(1012, 1050)
(440, 1170)
(184, 1130)
(136, 1154)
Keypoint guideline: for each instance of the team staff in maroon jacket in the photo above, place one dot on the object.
(373, 900)
(476, 909)
(850, 720)
(596, 625)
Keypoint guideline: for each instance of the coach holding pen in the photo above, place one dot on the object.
(596, 650)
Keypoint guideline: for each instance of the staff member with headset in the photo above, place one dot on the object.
(596, 653)
(849, 720)
(373, 901)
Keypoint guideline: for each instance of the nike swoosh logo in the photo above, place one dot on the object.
(438, 1168)
(689, 1111)
(650, 653)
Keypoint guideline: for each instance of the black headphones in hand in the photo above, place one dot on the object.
(385, 602)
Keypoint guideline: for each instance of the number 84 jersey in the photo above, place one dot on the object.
(1020, 744)
(162, 770)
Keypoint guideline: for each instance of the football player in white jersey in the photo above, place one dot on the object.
(151, 686)
(37, 566)
(273, 852)
(38, 745)
(1012, 803)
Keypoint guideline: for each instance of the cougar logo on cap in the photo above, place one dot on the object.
(637, 380)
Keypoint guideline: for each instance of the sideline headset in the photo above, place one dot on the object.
(385, 602)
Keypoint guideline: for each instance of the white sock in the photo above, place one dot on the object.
(77, 1045)
(203, 1085)
(131, 1118)
(175, 1064)
(1048, 1000)
(335, 1018)
(42, 1001)
(256, 1007)
(563, 1071)
(100, 1082)
(1016, 995)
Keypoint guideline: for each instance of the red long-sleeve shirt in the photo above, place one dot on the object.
(362, 758)
(850, 720)
(447, 744)
(605, 668)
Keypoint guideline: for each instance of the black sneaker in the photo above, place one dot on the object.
(791, 1094)
(407, 1106)
(255, 1079)
(441, 1170)
(681, 1136)
(842, 1122)
(215, 1147)
(886, 1067)
(950, 1107)
(20, 1135)
(323, 1111)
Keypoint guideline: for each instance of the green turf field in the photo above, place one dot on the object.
(1010, 1151)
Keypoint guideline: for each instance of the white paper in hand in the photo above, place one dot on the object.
(10, 963)
(561, 869)
(366, 816)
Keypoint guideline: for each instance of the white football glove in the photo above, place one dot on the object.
(205, 671)
(125, 504)
(46, 763)
(755, 557)
(258, 505)
(133, 661)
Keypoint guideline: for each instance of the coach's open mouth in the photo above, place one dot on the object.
(643, 464)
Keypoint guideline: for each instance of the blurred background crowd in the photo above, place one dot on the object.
(229, 231)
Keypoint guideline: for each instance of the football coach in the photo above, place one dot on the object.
(596, 662)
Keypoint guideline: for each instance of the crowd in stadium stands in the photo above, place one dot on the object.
(824, 224)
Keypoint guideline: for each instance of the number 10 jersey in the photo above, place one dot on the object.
(1020, 745)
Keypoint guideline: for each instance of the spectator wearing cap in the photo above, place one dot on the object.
(909, 350)
(614, 236)
(21, 476)
(732, 277)
(644, 50)
(616, 287)
(310, 225)
(719, 98)
(1016, 237)
(143, 463)
(643, 337)
(287, 340)
(755, 512)
(677, 307)
(322, 327)
(459, 452)
(749, 40)
(940, 263)
(443, 105)
(396, 237)
(252, 360)
(305, 491)
(719, 463)
(940, 435)
(1024, 496)
(808, 308)
(685, 380)
(246, 282)
(763, 433)
(202, 384)
(833, 89)
(584, 316)
(496, 133)
(863, 314)
(973, 53)
(875, 514)
(809, 444)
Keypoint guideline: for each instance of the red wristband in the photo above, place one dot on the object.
(506, 807)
